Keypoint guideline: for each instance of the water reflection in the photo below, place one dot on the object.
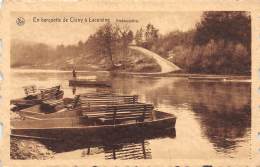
(128, 146)
(138, 150)
(223, 109)
(220, 111)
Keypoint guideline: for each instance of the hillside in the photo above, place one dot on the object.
(209, 48)
(41, 56)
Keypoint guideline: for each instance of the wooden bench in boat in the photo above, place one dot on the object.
(87, 100)
(51, 102)
(114, 114)
(34, 97)
(107, 99)
(52, 105)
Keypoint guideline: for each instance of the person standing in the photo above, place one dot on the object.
(74, 73)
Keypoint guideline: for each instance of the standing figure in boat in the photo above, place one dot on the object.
(74, 73)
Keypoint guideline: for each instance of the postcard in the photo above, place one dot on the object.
(108, 83)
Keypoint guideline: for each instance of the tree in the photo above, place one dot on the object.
(231, 32)
(126, 36)
(230, 26)
(139, 37)
(106, 40)
(151, 35)
(110, 40)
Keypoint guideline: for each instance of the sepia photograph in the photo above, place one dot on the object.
(130, 85)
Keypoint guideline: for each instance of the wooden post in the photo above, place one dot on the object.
(114, 115)
(135, 98)
(88, 150)
(114, 152)
(143, 148)
(76, 101)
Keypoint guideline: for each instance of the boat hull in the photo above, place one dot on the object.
(77, 128)
(24, 103)
(90, 83)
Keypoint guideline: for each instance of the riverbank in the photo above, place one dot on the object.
(24, 148)
(156, 74)
(187, 75)
(29, 149)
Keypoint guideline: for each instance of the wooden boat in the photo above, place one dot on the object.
(91, 115)
(74, 107)
(113, 146)
(83, 127)
(90, 83)
(33, 97)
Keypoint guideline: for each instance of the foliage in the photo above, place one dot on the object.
(220, 44)
(230, 26)
(147, 37)
(109, 39)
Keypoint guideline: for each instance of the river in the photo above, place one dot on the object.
(213, 118)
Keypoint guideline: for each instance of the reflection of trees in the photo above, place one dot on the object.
(224, 112)
(128, 85)
(153, 90)
(223, 128)
(223, 109)
(221, 96)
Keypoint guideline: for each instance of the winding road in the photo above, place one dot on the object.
(166, 65)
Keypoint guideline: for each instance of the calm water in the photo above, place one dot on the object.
(213, 119)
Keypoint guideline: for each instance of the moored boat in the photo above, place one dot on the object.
(91, 115)
(90, 83)
(34, 97)
(130, 145)
(82, 127)
(74, 107)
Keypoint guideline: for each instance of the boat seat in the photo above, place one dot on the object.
(106, 99)
(52, 105)
(115, 114)
(32, 96)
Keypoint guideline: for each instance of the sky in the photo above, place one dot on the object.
(72, 32)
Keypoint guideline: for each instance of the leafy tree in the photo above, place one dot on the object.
(230, 26)
(139, 37)
(106, 39)
(151, 35)
(234, 29)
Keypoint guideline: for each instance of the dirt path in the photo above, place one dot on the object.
(166, 66)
